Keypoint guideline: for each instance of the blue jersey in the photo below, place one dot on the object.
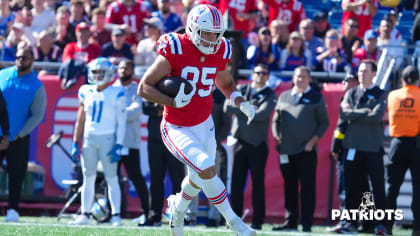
(171, 23)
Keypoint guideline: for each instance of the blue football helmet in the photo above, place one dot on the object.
(100, 71)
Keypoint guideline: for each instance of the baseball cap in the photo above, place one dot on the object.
(155, 22)
(118, 31)
(410, 74)
(82, 25)
(349, 76)
(370, 34)
(320, 15)
(295, 34)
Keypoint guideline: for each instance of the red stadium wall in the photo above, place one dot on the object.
(61, 114)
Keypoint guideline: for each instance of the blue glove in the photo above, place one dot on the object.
(115, 157)
(75, 153)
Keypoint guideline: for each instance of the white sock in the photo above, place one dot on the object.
(88, 191)
(114, 193)
(188, 192)
(215, 191)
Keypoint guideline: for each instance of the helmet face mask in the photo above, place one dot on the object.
(100, 71)
(100, 210)
(205, 18)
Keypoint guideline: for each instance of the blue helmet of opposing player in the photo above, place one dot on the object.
(100, 71)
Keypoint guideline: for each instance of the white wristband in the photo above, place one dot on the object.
(233, 96)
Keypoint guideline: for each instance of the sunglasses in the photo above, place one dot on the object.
(23, 58)
(333, 37)
(354, 26)
(261, 72)
(266, 32)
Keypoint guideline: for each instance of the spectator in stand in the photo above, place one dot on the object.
(395, 50)
(147, 48)
(265, 53)
(51, 5)
(331, 58)
(117, 49)
(25, 17)
(362, 10)
(99, 34)
(7, 17)
(76, 56)
(128, 14)
(369, 50)
(251, 149)
(393, 16)
(312, 43)
(103, 4)
(290, 11)
(64, 31)
(17, 5)
(42, 18)
(279, 33)
(77, 13)
(81, 50)
(46, 51)
(321, 24)
(295, 54)
(300, 120)
(350, 42)
(171, 21)
(241, 15)
(13, 39)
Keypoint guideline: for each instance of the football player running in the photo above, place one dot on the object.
(200, 56)
(101, 119)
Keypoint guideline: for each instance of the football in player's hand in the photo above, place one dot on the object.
(170, 85)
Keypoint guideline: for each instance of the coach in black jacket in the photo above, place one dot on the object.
(363, 108)
(300, 120)
(251, 150)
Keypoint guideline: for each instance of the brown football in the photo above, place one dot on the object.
(170, 85)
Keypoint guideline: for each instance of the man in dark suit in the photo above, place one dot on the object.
(251, 149)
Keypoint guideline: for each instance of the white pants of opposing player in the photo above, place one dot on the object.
(95, 148)
(195, 146)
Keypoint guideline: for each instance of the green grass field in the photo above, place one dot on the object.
(37, 226)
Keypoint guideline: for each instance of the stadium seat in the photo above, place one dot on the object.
(405, 30)
(335, 16)
(406, 17)
(376, 20)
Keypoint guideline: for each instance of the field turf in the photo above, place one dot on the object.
(37, 226)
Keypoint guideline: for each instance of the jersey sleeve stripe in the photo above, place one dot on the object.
(175, 44)
(228, 49)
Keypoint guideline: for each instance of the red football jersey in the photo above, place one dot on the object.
(200, 69)
(87, 54)
(235, 6)
(118, 13)
(361, 14)
(291, 12)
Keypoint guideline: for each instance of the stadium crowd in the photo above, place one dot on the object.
(286, 35)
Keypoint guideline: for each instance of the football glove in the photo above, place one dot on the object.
(248, 110)
(115, 153)
(182, 99)
(75, 153)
